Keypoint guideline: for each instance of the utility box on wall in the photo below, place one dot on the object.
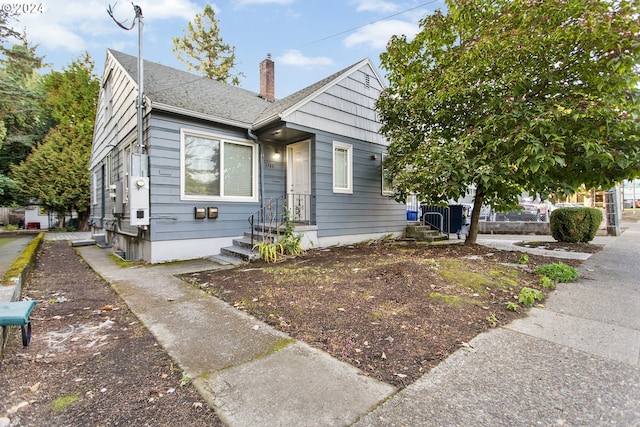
(117, 195)
(139, 201)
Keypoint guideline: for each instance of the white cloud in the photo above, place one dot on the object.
(296, 58)
(169, 9)
(246, 2)
(380, 6)
(377, 35)
(74, 25)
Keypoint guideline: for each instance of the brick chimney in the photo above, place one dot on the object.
(267, 79)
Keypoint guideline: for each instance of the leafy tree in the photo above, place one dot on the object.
(56, 173)
(510, 96)
(204, 51)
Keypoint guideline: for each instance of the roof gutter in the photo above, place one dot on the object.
(185, 112)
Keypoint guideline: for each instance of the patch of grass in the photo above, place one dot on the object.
(457, 273)
(63, 402)
(453, 300)
(125, 264)
(506, 276)
(25, 260)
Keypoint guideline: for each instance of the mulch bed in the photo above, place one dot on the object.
(91, 361)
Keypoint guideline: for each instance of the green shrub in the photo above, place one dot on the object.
(558, 271)
(527, 296)
(575, 224)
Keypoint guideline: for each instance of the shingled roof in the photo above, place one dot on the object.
(168, 87)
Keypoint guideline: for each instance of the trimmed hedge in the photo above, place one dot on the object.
(575, 224)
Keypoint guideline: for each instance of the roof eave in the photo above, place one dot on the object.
(267, 121)
(195, 114)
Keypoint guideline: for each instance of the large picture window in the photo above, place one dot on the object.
(214, 168)
(342, 168)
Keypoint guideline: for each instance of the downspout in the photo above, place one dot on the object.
(260, 164)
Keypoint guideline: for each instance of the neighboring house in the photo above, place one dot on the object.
(215, 154)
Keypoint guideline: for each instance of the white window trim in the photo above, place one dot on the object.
(94, 182)
(384, 191)
(222, 139)
(349, 148)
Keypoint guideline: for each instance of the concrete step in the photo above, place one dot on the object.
(244, 242)
(226, 260)
(244, 254)
(436, 238)
(425, 233)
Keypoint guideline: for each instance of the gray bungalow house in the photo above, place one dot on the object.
(216, 159)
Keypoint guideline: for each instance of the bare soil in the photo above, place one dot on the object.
(392, 309)
(91, 362)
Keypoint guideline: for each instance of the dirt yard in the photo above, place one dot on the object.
(91, 361)
(395, 310)
(392, 309)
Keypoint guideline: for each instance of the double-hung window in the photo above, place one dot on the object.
(217, 168)
(342, 168)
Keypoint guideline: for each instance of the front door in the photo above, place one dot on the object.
(299, 182)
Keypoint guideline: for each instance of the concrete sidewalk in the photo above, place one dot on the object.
(574, 362)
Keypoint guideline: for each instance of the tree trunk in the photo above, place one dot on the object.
(478, 200)
(62, 220)
(83, 221)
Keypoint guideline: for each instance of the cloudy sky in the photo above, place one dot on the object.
(307, 39)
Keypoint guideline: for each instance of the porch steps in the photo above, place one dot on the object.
(239, 252)
(242, 248)
(226, 260)
(425, 233)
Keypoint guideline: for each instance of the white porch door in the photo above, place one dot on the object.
(299, 182)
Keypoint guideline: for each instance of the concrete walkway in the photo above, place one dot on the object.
(575, 362)
(252, 374)
(9, 253)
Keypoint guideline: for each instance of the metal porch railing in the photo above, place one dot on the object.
(271, 217)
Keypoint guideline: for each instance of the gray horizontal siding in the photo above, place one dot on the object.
(364, 211)
(347, 108)
(164, 171)
(274, 173)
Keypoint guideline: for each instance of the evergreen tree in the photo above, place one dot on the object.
(56, 173)
(23, 117)
(203, 50)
